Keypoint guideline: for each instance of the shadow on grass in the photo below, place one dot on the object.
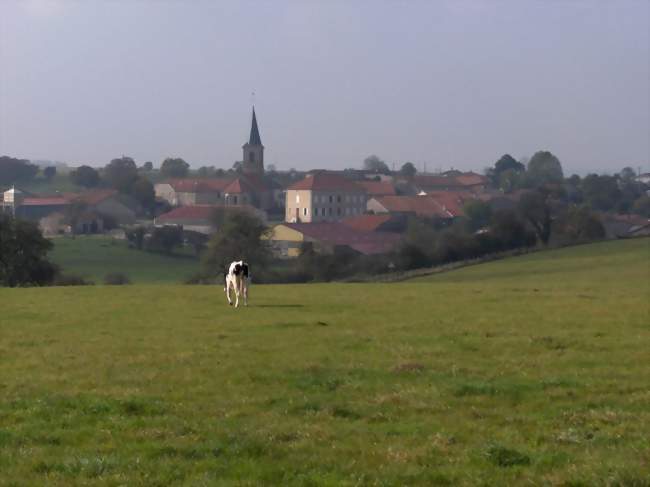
(279, 306)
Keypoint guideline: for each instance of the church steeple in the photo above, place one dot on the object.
(254, 139)
(253, 161)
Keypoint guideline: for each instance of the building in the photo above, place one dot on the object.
(421, 206)
(287, 239)
(250, 187)
(200, 218)
(378, 188)
(323, 197)
(253, 151)
(183, 192)
(469, 181)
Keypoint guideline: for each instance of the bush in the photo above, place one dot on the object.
(116, 279)
(71, 280)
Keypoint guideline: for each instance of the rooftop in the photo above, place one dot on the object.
(326, 181)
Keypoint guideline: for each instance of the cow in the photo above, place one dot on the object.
(237, 278)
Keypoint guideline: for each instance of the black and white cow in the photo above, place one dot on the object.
(237, 278)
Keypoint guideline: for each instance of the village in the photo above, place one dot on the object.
(365, 211)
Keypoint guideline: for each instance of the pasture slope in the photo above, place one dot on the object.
(533, 370)
(92, 257)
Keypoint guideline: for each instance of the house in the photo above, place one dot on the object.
(86, 222)
(182, 192)
(622, 226)
(378, 188)
(469, 181)
(323, 197)
(108, 203)
(384, 222)
(422, 206)
(199, 218)
(287, 239)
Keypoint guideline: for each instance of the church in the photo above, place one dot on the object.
(250, 187)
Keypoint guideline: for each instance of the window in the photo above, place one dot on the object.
(304, 211)
(331, 199)
(330, 212)
(338, 198)
(338, 211)
(251, 156)
(234, 200)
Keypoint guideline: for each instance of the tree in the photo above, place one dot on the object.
(85, 176)
(509, 231)
(600, 192)
(23, 254)
(239, 237)
(478, 214)
(16, 170)
(535, 209)
(510, 179)
(375, 164)
(408, 170)
(507, 162)
(165, 239)
(627, 174)
(174, 168)
(580, 224)
(121, 174)
(143, 191)
(642, 206)
(147, 166)
(544, 168)
(49, 172)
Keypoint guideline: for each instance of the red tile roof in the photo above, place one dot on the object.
(46, 201)
(239, 186)
(451, 201)
(377, 188)
(324, 181)
(94, 197)
(198, 185)
(366, 223)
(420, 205)
(471, 179)
(200, 212)
(367, 243)
(442, 182)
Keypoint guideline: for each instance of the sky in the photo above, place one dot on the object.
(439, 83)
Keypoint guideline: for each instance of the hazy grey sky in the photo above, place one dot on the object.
(449, 83)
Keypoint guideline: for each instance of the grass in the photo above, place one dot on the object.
(93, 257)
(531, 370)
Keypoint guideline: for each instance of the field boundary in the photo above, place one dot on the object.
(427, 271)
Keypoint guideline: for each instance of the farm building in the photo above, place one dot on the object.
(287, 239)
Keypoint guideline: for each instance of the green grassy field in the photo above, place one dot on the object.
(93, 257)
(533, 370)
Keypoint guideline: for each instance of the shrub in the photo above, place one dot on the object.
(116, 279)
(71, 280)
(506, 457)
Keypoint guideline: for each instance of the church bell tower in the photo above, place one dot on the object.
(253, 160)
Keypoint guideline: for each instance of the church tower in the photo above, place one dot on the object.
(253, 150)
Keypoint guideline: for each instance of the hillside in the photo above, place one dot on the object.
(92, 257)
(530, 370)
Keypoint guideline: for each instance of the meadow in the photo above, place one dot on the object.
(92, 257)
(533, 370)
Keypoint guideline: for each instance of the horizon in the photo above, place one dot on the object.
(446, 85)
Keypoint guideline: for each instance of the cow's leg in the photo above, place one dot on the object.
(227, 289)
(236, 286)
(245, 291)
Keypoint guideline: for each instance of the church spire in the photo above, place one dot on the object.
(254, 139)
